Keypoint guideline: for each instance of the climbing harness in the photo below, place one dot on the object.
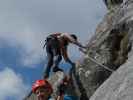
(93, 60)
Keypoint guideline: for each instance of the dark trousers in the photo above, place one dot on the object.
(53, 51)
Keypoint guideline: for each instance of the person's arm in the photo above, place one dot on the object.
(60, 97)
(79, 44)
(61, 91)
(73, 40)
(62, 87)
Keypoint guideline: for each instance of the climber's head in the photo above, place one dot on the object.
(43, 89)
(74, 37)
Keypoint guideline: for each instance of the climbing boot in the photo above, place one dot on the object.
(55, 69)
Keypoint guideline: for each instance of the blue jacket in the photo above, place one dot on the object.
(67, 97)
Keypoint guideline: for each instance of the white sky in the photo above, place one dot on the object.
(11, 85)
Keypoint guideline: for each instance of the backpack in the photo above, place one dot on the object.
(50, 38)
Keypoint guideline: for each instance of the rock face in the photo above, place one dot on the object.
(113, 42)
(119, 86)
(111, 46)
(112, 3)
(106, 72)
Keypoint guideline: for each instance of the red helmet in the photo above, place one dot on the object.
(41, 83)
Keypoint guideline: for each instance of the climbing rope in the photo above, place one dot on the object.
(93, 60)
